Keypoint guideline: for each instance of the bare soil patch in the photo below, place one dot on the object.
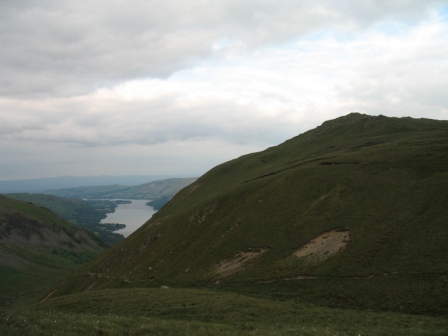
(239, 262)
(324, 245)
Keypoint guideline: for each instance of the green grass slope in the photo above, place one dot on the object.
(255, 224)
(38, 248)
(200, 312)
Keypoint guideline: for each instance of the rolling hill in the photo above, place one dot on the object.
(351, 214)
(38, 248)
(40, 185)
(86, 214)
(164, 189)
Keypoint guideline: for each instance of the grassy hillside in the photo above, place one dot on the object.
(86, 214)
(356, 206)
(153, 190)
(37, 248)
(341, 230)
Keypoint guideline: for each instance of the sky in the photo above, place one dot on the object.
(147, 87)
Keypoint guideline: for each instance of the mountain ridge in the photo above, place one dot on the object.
(378, 183)
(165, 188)
(63, 182)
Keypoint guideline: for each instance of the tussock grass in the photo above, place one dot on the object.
(178, 311)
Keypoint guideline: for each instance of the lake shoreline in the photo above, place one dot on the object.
(132, 213)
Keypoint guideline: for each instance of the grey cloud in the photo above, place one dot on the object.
(252, 102)
(54, 48)
(144, 122)
(409, 82)
(368, 12)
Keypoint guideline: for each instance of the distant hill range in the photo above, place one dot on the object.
(64, 182)
(86, 214)
(70, 204)
(350, 214)
(164, 189)
(37, 248)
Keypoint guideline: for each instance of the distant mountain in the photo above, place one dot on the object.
(153, 190)
(351, 214)
(69, 203)
(63, 182)
(38, 248)
(86, 214)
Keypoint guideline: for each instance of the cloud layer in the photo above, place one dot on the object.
(150, 78)
(70, 47)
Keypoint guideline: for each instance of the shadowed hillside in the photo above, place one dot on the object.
(37, 248)
(350, 214)
(86, 214)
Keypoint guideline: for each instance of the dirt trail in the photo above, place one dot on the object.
(48, 296)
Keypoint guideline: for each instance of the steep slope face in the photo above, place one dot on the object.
(359, 196)
(37, 248)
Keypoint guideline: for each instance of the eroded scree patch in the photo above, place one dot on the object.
(239, 262)
(324, 245)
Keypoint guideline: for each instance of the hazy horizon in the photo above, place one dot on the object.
(47, 184)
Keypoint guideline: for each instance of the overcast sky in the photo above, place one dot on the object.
(123, 87)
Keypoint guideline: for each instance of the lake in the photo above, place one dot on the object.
(133, 215)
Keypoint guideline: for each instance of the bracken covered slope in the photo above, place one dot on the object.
(358, 197)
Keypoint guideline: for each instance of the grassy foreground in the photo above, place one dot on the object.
(22, 286)
(159, 311)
